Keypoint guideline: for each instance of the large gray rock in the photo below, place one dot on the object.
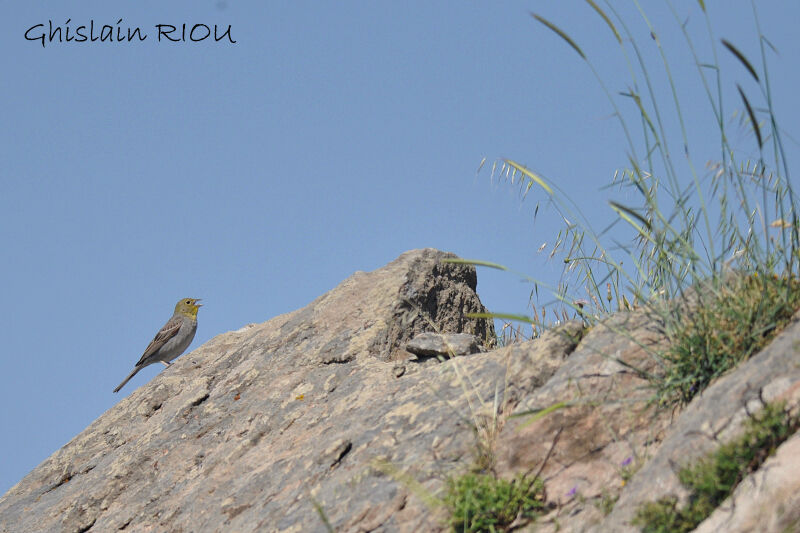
(249, 430)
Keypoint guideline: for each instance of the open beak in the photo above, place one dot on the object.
(196, 302)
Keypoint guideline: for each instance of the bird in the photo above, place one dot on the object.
(172, 339)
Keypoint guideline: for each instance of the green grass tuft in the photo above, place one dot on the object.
(713, 478)
(731, 323)
(482, 502)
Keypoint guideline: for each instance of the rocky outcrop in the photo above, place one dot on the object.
(253, 429)
(353, 411)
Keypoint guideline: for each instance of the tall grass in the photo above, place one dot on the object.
(694, 231)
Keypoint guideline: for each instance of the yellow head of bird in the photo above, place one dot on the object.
(188, 307)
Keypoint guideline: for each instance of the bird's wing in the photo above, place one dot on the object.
(166, 333)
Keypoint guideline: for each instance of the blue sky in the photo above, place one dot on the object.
(330, 138)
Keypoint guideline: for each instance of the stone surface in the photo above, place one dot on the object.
(601, 421)
(713, 417)
(767, 501)
(443, 345)
(611, 442)
(247, 431)
(322, 412)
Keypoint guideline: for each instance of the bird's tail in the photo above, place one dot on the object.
(124, 381)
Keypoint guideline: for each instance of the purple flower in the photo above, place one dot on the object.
(627, 461)
(572, 491)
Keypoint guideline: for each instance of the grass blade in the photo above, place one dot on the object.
(606, 19)
(324, 517)
(530, 175)
(752, 117)
(502, 316)
(645, 116)
(626, 214)
(407, 480)
(741, 58)
(474, 262)
(536, 414)
(560, 33)
(616, 206)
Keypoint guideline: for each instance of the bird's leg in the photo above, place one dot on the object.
(166, 363)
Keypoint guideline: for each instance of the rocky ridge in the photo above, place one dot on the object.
(324, 413)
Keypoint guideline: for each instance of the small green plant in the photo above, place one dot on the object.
(629, 468)
(606, 502)
(714, 477)
(482, 502)
(734, 322)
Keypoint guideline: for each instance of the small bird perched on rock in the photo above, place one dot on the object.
(172, 340)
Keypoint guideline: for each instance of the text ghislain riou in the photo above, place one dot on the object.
(107, 33)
